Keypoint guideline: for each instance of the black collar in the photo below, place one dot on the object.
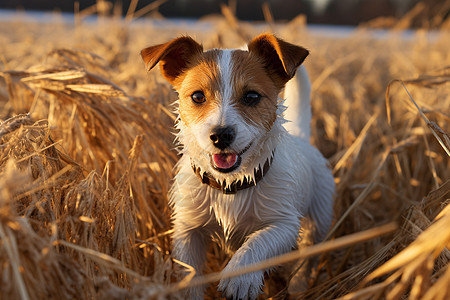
(236, 185)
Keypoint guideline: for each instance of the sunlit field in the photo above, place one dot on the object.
(86, 158)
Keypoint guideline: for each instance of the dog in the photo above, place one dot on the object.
(242, 180)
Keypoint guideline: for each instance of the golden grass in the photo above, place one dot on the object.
(86, 158)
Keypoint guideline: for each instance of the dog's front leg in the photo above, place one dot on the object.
(270, 241)
(190, 248)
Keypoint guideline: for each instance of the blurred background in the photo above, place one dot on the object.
(422, 14)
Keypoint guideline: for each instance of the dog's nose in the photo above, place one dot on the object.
(222, 137)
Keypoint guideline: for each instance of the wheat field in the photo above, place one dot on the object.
(86, 158)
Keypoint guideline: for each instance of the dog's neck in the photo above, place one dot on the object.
(236, 185)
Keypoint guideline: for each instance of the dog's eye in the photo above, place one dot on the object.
(251, 98)
(198, 97)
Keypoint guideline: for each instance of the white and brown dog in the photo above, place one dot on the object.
(242, 180)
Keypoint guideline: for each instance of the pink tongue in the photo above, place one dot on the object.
(224, 161)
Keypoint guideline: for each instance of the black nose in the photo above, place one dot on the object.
(222, 137)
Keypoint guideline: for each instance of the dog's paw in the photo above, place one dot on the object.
(247, 286)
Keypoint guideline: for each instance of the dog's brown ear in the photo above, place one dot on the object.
(173, 56)
(280, 58)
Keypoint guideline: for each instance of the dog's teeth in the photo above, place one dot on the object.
(225, 160)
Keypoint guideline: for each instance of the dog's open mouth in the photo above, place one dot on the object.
(227, 162)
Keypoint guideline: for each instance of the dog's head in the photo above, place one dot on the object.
(228, 99)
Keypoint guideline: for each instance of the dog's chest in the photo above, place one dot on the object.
(235, 216)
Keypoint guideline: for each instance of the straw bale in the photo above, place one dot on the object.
(83, 196)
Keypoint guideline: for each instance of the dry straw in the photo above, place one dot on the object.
(85, 167)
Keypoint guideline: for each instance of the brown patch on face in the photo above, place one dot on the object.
(249, 75)
(202, 75)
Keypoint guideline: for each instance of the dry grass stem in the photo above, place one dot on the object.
(296, 255)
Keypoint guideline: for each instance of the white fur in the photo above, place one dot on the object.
(298, 115)
(259, 222)
(225, 68)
